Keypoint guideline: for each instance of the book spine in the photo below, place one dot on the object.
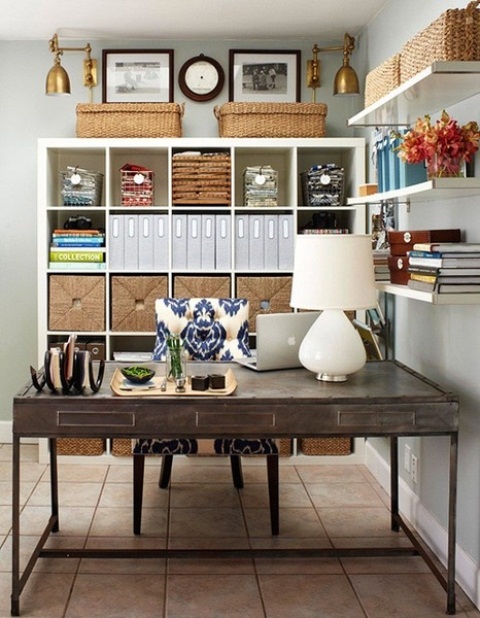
(77, 266)
(422, 277)
(76, 256)
(424, 254)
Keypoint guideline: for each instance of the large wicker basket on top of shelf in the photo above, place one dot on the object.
(452, 36)
(129, 119)
(271, 119)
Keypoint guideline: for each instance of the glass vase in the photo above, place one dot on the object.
(176, 366)
(444, 166)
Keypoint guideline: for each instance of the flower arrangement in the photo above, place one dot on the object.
(444, 145)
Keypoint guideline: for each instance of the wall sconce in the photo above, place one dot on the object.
(346, 80)
(58, 82)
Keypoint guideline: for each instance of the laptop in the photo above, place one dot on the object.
(279, 336)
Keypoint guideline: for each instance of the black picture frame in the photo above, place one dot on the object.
(137, 76)
(279, 73)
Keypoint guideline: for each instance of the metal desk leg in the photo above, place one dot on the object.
(16, 588)
(54, 481)
(452, 524)
(394, 483)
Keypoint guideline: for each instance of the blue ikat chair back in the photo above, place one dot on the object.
(211, 328)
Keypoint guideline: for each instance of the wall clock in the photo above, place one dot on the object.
(201, 78)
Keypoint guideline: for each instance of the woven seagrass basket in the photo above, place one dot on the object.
(122, 447)
(451, 37)
(129, 119)
(80, 446)
(382, 80)
(271, 119)
(326, 446)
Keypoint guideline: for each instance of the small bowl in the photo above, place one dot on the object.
(138, 374)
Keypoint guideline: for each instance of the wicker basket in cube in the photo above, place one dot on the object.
(201, 179)
(326, 446)
(265, 295)
(81, 187)
(453, 36)
(137, 187)
(80, 446)
(239, 119)
(382, 80)
(133, 302)
(76, 303)
(201, 287)
(121, 447)
(129, 119)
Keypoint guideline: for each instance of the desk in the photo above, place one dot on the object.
(383, 399)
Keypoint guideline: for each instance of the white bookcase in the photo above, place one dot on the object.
(289, 157)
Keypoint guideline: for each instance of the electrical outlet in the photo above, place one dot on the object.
(414, 469)
(406, 458)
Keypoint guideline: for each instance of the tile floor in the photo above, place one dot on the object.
(320, 506)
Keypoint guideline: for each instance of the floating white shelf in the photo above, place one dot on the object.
(440, 85)
(428, 297)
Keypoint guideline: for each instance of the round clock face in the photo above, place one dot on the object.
(201, 78)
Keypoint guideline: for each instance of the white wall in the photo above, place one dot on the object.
(442, 342)
(26, 114)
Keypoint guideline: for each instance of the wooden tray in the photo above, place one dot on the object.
(120, 387)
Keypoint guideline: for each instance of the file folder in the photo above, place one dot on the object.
(208, 242)
(286, 238)
(145, 242)
(194, 242)
(160, 242)
(179, 242)
(116, 249)
(131, 242)
(270, 237)
(223, 238)
(241, 242)
(256, 258)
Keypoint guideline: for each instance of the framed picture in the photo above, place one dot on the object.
(137, 76)
(259, 75)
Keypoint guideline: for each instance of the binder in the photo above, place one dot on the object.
(241, 242)
(223, 237)
(256, 256)
(194, 242)
(179, 242)
(160, 242)
(145, 242)
(208, 242)
(270, 237)
(131, 242)
(286, 239)
(116, 249)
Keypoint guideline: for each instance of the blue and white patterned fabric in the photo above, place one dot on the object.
(211, 328)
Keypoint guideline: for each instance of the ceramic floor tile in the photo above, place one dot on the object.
(121, 494)
(212, 522)
(213, 596)
(294, 523)
(45, 595)
(31, 471)
(343, 495)
(28, 452)
(69, 494)
(196, 473)
(43, 565)
(297, 566)
(419, 596)
(124, 565)
(315, 596)
(88, 473)
(187, 495)
(116, 596)
(210, 566)
(352, 522)
(396, 564)
(73, 521)
(26, 489)
(291, 495)
(330, 474)
(119, 522)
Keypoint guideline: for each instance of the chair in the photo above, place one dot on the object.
(212, 329)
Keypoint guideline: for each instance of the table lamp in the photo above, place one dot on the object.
(333, 273)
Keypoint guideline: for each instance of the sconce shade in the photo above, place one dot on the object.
(57, 82)
(334, 273)
(346, 81)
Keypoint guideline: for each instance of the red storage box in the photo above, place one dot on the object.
(401, 242)
(398, 267)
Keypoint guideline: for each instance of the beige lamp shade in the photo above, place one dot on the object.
(333, 272)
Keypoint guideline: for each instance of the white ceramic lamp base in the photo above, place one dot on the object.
(332, 348)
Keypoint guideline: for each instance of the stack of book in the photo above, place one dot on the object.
(77, 250)
(445, 268)
(380, 264)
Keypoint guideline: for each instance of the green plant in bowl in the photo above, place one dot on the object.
(138, 374)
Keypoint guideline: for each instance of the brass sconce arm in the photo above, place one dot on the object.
(57, 79)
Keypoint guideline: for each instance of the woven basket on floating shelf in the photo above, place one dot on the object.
(129, 119)
(80, 446)
(382, 80)
(451, 37)
(326, 446)
(271, 119)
